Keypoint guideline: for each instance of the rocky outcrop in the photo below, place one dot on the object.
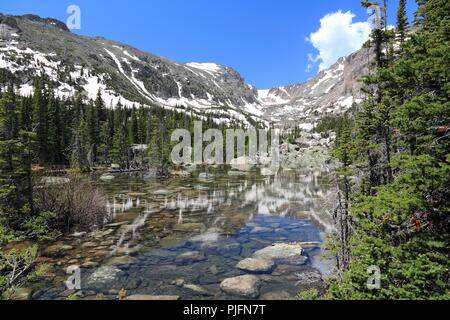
(331, 92)
(121, 73)
(310, 151)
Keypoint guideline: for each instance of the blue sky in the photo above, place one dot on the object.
(265, 40)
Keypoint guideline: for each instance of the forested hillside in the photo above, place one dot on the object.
(395, 174)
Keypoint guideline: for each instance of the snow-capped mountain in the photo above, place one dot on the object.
(331, 92)
(30, 46)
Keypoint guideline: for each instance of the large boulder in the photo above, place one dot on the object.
(243, 286)
(283, 253)
(256, 265)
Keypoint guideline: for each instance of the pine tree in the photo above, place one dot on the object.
(401, 226)
(100, 107)
(53, 130)
(402, 21)
(134, 127)
(40, 120)
(121, 146)
(93, 127)
(15, 168)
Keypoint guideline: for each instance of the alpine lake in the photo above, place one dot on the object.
(196, 236)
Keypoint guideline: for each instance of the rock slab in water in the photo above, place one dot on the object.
(282, 252)
(256, 265)
(243, 286)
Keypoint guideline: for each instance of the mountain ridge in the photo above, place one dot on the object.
(31, 45)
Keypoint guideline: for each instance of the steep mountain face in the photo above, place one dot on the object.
(30, 46)
(331, 92)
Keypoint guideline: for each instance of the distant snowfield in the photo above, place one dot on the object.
(207, 67)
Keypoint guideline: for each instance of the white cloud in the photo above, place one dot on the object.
(338, 36)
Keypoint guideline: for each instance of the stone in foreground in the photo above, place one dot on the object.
(243, 286)
(256, 265)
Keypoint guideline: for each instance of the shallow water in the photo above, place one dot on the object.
(218, 221)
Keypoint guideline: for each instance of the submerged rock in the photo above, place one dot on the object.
(276, 296)
(256, 265)
(260, 230)
(243, 286)
(121, 261)
(196, 289)
(190, 258)
(225, 248)
(104, 275)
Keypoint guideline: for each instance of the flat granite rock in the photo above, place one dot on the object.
(279, 251)
(256, 265)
